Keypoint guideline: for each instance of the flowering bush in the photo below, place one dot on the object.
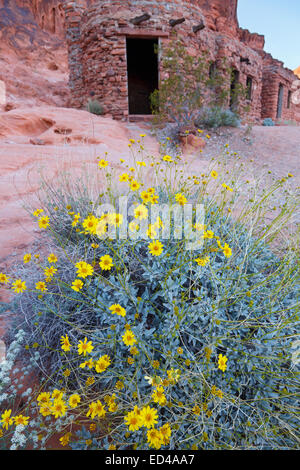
(140, 343)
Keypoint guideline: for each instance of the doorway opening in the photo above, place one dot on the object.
(235, 77)
(142, 73)
(280, 101)
(249, 88)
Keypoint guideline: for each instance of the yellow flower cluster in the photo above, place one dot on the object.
(147, 417)
(53, 404)
(8, 420)
(96, 409)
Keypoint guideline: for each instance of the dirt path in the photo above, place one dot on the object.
(274, 148)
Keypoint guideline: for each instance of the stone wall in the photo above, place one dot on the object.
(96, 38)
(274, 77)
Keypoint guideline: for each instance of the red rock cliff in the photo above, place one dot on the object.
(48, 14)
(33, 61)
(221, 15)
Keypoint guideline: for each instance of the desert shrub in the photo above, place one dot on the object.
(214, 117)
(95, 107)
(173, 348)
(187, 85)
(268, 122)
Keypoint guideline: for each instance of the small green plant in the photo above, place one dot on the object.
(95, 107)
(214, 117)
(268, 122)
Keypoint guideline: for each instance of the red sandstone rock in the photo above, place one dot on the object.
(21, 163)
(192, 142)
(33, 62)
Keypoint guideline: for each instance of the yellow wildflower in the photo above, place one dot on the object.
(222, 362)
(181, 199)
(85, 347)
(116, 219)
(149, 417)
(202, 261)
(159, 396)
(129, 338)
(154, 438)
(102, 364)
(84, 269)
(44, 222)
(19, 286)
(58, 408)
(64, 440)
(74, 400)
(27, 258)
(96, 409)
(102, 163)
(165, 432)
(106, 262)
(155, 248)
(76, 219)
(20, 419)
(38, 212)
(52, 258)
(77, 285)
(90, 224)
(134, 185)
(49, 272)
(227, 250)
(117, 309)
(141, 212)
(41, 286)
(133, 421)
(3, 278)
(65, 344)
(6, 419)
(123, 177)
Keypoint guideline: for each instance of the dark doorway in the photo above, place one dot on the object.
(280, 101)
(142, 72)
(249, 86)
(289, 99)
(235, 77)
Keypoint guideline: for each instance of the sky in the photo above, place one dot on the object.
(279, 22)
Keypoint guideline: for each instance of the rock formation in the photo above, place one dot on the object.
(33, 61)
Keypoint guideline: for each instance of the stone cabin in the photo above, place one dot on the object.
(111, 53)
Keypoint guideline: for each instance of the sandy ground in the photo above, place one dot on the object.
(273, 148)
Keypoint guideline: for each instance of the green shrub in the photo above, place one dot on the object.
(187, 85)
(268, 122)
(214, 117)
(95, 107)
